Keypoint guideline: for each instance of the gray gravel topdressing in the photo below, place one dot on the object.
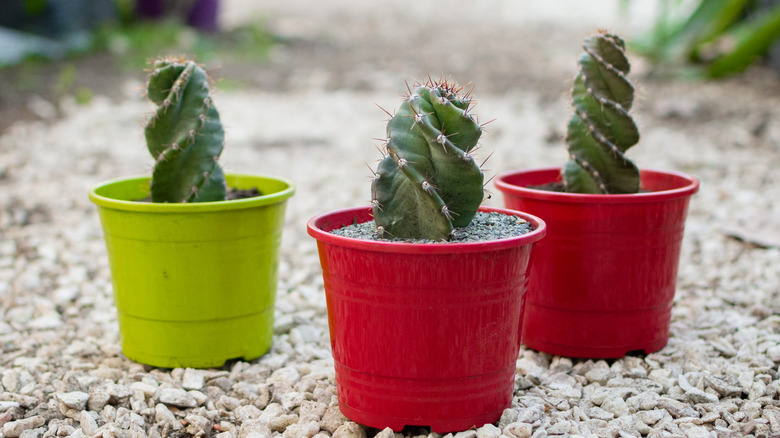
(484, 226)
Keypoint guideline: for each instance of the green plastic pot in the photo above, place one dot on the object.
(194, 284)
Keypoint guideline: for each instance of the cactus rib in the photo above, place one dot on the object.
(185, 135)
(601, 130)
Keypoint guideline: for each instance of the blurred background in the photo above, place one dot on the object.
(77, 49)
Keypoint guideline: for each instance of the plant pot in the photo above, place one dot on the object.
(603, 281)
(194, 284)
(423, 334)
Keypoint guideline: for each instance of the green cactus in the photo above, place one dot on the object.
(428, 183)
(601, 130)
(185, 135)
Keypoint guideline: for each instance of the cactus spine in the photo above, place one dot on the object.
(601, 130)
(428, 183)
(185, 135)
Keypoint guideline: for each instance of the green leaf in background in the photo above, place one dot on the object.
(752, 39)
(725, 36)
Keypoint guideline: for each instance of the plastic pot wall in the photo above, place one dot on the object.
(194, 284)
(604, 278)
(423, 334)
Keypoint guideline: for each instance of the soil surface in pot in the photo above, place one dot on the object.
(484, 226)
(232, 195)
(550, 187)
(558, 186)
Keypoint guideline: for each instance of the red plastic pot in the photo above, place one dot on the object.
(603, 280)
(423, 334)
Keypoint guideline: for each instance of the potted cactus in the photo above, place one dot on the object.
(425, 333)
(194, 274)
(604, 278)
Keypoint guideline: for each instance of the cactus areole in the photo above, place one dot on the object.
(185, 135)
(601, 130)
(428, 183)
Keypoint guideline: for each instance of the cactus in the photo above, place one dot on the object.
(185, 135)
(428, 183)
(601, 130)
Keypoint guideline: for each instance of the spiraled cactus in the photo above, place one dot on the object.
(601, 130)
(428, 183)
(184, 135)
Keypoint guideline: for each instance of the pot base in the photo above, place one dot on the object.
(574, 333)
(398, 424)
(444, 404)
(196, 344)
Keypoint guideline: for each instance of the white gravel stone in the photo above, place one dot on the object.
(488, 431)
(518, 430)
(146, 389)
(616, 405)
(332, 419)
(248, 412)
(254, 429)
(651, 417)
(302, 430)
(280, 423)
(73, 400)
(88, 423)
(694, 394)
(193, 379)
(6, 405)
(350, 430)
(13, 429)
(531, 414)
(164, 416)
(177, 397)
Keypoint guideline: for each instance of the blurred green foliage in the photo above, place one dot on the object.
(125, 43)
(134, 43)
(717, 38)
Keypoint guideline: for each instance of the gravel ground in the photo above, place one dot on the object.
(61, 368)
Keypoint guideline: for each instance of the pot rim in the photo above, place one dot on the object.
(286, 190)
(317, 230)
(688, 185)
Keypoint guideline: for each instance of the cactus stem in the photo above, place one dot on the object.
(594, 173)
(606, 64)
(420, 198)
(376, 204)
(599, 137)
